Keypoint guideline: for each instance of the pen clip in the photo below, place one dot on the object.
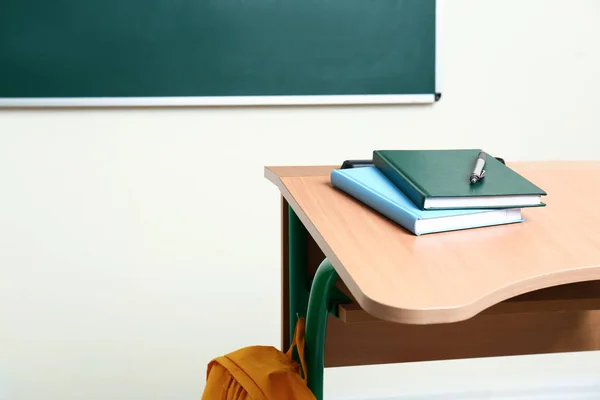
(478, 170)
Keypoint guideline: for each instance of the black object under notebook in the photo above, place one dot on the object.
(357, 163)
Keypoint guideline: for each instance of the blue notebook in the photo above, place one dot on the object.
(369, 186)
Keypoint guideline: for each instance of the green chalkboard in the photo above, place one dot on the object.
(216, 48)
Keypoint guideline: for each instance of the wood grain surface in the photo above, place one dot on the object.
(485, 335)
(452, 276)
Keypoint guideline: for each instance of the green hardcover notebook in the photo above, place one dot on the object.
(439, 179)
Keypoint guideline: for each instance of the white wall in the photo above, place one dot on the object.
(135, 245)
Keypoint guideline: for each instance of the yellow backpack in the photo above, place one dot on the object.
(259, 373)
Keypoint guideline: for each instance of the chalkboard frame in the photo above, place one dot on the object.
(217, 101)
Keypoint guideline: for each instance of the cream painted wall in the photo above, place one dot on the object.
(135, 245)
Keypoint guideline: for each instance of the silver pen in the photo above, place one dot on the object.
(478, 171)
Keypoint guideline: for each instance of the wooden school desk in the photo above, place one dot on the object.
(515, 289)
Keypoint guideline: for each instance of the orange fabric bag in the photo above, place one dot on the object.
(259, 373)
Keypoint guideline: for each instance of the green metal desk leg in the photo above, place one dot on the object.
(297, 264)
(319, 306)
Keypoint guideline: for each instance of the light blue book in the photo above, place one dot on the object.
(369, 186)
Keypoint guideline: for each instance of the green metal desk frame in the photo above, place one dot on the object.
(314, 301)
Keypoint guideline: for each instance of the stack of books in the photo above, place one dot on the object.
(428, 191)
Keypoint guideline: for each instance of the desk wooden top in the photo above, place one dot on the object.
(451, 276)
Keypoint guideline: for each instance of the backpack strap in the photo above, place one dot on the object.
(298, 344)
